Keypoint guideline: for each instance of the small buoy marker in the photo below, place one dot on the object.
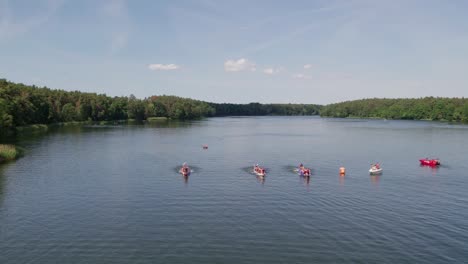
(342, 171)
(205, 146)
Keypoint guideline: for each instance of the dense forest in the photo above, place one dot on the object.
(24, 105)
(256, 109)
(428, 108)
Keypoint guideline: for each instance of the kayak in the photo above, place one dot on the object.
(430, 162)
(260, 174)
(259, 171)
(375, 170)
(185, 172)
(304, 172)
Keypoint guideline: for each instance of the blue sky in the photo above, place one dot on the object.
(239, 51)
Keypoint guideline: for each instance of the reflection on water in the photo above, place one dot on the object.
(261, 179)
(341, 179)
(375, 179)
(432, 169)
(2, 183)
(305, 180)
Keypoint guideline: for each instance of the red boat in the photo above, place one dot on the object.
(430, 162)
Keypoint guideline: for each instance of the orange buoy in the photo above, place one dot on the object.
(342, 171)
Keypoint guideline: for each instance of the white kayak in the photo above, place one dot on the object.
(260, 174)
(375, 171)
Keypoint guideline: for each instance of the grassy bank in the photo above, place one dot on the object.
(32, 128)
(9, 152)
(150, 119)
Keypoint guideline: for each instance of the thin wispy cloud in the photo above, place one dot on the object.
(300, 76)
(119, 41)
(163, 67)
(117, 11)
(11, 26)
(114, 8)
(300, 29)
(239, 65)
(307, 66)
(272, 71)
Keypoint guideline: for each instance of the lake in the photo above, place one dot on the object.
(112, 194)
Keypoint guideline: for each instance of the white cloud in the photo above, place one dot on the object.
(239, 65)
(307, 66)
(163, 67)
(300, 76)
(271, 71)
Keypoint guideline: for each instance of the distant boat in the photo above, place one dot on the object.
(259, 171)
(303, 171)
(185, 170)
(430, 162)
(375, 169)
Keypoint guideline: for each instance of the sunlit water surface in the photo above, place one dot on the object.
(112, 194)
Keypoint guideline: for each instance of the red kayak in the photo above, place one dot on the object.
(430, 162)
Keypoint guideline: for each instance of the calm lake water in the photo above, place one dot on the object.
(112, 194)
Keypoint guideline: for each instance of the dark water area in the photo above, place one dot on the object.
(112, 194)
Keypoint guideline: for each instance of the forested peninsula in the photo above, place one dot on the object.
(22, 105)
(427, 108)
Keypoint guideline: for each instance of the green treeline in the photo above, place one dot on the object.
(256, 109)
(428, 108)
(22, 105)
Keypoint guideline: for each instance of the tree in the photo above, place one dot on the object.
(69, 113)
(136, 108)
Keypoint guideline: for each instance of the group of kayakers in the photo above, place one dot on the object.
(303, 171)
(260, 171)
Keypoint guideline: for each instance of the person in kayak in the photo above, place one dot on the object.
(185, 170)
(301, 167)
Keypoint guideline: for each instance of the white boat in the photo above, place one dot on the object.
(259, 171)
(259, 174)
(375, 170)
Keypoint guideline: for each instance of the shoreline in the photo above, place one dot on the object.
(399, 119)
(46, 127)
